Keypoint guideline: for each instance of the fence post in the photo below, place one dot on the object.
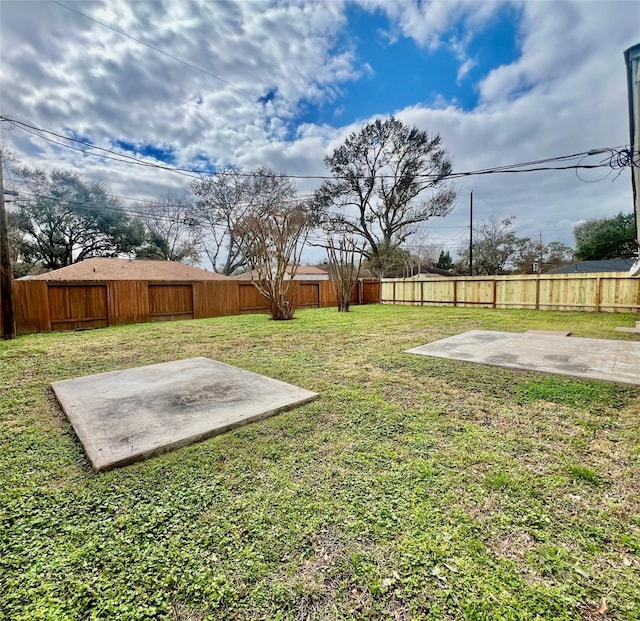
(598, 297)
(109, 296)
(495, 291)
(538, 291)
(455, 293)
(422, 293)
(394, 292)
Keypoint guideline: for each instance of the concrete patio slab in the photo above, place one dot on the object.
(635, 330)
(126, 416)
(596, 359)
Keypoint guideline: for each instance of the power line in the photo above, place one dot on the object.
(452, 242)
(115, 208)
(157, 49)
(166, 218)
(617, 155)
(127, 159)
(91, 206)
(160, 201)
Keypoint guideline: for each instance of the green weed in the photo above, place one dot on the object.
(586, 474)
(413, 488)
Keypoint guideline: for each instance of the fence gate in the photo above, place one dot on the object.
(76, 307)
(170, 302)
(309, 294)
(370, 291)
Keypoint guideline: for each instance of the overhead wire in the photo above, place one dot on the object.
(160, 51)
(622, 155)
(91, 206)
(447, 243)
(115, 208)
(122, 157)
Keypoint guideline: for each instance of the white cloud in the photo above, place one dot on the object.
(467, 65)
(104, 84)
(565, 93)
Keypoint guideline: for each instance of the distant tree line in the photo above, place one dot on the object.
(497, 249)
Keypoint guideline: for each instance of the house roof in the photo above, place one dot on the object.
(302, 270)
(310, 270)
(422, 272)
(129, 269)
(604, 265)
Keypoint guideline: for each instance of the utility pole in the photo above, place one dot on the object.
(6, 271)
(632, 60)
(471, 234)
(541, 255)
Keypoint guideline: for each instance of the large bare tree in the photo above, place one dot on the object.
(380, 177)
(221, 201)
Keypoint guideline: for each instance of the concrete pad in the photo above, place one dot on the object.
(549, 332)
(596, 359)
(126, 416)
(635, 330)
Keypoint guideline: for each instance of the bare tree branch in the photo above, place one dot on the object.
(273, 234)
(173, 233)
(345, 260)
(221, 201)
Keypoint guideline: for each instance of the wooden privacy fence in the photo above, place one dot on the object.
(604, 291)
(43, 306)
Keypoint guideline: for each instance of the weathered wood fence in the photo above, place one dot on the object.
(44, 306)
(598, 292)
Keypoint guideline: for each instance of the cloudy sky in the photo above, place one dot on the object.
(282, 84)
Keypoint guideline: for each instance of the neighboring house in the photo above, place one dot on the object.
(104, 269)
(588, 267)
(303, 272)
(308, 272)
(367, 274)
(425, 272)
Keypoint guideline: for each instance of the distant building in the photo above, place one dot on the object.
(303, 272)
(423, 272)
(588, 267)
(104, 269)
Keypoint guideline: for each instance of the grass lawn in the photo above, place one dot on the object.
(413, 488)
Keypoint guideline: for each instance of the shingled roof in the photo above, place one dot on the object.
(301, 270)
(129, 269)
(604, 265)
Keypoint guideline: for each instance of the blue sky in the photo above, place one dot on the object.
(154, 151)
(404, 73)
(501, 82)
